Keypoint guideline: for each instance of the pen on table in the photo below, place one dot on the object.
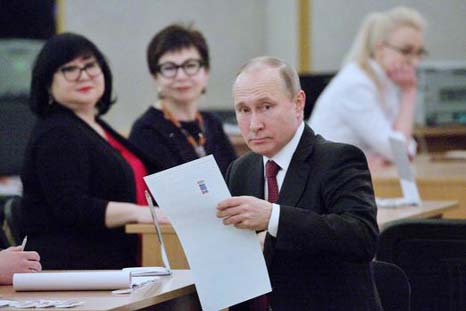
(23, 244)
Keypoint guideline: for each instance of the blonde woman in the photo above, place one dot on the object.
(374, 94)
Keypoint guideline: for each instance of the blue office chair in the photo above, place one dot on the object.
(432, 253)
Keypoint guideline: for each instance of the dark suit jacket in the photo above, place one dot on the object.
(327, 232)
(69, 175)
(165, 144)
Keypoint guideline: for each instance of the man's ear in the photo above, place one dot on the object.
(300, 101)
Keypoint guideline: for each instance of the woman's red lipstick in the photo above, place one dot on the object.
(85, 89)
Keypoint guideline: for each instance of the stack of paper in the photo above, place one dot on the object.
(148, 271)
(394, 202)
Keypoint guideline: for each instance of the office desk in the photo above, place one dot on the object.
(436, 180)
(151, 247)
(428, 209)
(173, 293)
(440, 138)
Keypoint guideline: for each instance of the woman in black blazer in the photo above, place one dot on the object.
(82, 181)
(173, 131)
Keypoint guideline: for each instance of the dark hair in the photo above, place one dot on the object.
(174, 38)
(57, 51)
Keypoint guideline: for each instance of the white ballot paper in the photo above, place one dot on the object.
(54, 281)
(406, 174)
(227, 263)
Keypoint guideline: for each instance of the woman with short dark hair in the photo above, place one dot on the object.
(173, 131)
(82, 181)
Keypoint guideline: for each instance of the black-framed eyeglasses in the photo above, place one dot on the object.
(190, 67)
(408, 51)
(73, 73)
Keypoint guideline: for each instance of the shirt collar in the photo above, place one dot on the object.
(283, 157)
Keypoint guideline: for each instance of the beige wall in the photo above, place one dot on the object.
(335, 23)
(122, 29)
(236, 31)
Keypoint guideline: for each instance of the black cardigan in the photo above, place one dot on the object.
(166, 145)
(70, 173)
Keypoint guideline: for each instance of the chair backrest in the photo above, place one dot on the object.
(393, 286)
(432, 253)
(11, 224)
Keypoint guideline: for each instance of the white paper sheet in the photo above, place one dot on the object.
(54, 281)
(147, 271)
(227, 263)
(407, 177)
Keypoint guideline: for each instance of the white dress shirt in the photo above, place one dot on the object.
(350, 110)
(283, 159)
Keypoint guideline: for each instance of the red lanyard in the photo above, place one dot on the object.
(198, 146)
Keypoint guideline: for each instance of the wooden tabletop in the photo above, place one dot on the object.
(148, 228)
(440, 131)
(178, 285)
(428, 209)
(436, 180)
(426, 168)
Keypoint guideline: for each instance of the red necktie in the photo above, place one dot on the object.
(261, 303)
(271, 170)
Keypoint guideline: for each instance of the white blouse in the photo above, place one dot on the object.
(350, 110)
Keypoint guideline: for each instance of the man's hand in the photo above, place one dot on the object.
(245, 212)
(14, 260)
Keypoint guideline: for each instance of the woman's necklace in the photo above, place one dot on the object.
(197, 146)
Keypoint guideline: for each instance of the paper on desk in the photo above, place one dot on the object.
(147, 271)
(393, 202)
(54, 281)
(407, 177)
(227, 263)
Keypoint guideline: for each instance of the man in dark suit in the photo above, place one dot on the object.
(320, 213)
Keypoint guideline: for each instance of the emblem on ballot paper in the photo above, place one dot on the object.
(202, 186)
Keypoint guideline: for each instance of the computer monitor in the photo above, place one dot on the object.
(313, 84)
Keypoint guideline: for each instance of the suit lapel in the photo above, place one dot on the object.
(298, 172)
(256, 181)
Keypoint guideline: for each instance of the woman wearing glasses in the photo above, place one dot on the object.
(374, 94)
(173, 131)
(82, 181)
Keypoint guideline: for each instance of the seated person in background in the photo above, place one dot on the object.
(15, 260)
(173, 131)
(320, 213)
(82, 181)
(374, 95)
